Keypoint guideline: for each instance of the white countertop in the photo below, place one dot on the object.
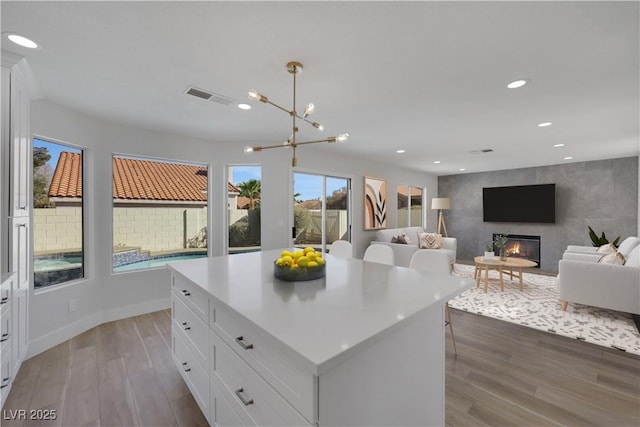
(326, 319)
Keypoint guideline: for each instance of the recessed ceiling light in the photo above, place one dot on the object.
(568, 158)
(544, 125)
(400, 151)
(436, 162)
(22, 41)
(462, 169)
(244, 106)
(558, 145)
(516, 84)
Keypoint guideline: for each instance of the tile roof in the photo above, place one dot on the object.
(135, 179)
(67, 178)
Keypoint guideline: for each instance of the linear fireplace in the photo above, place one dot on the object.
(522, 246)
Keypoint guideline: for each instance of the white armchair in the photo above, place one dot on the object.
(589, 254)
(616, 287)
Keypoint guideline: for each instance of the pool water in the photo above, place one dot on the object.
(157, 262)
(59, 263)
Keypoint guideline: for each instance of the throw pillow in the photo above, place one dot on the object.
(430, 241)
(402, 239)
(609, 248)
(615, 258)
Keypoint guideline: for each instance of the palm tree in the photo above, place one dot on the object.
(250, 189)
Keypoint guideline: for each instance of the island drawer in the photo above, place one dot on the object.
(5, 331)
(192, 295)
(222, 413)
(194, 329)
(5, 373)
(248, 395)
(270, 358)
(194, 375)
(6, 292)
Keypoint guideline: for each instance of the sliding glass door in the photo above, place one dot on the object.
(321, 210)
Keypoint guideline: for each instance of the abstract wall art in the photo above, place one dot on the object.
(375, 203)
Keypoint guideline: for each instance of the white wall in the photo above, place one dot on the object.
(104, 296)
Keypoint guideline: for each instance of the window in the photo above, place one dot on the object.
(410, 206)
(58, 249)
(159, 212)
(321, 210)
(244, 188)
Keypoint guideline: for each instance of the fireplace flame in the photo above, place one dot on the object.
(514, 250)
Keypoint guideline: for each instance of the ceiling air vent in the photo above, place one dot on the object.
(209, 96)
(482, 151)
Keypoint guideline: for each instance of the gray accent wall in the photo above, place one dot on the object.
(602, 194)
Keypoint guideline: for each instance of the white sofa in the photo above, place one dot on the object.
(589, 254)
(403, 253)
(616, 287)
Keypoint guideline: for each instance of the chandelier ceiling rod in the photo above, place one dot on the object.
(294, 68)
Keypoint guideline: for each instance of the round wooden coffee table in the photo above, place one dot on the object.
(508, 266)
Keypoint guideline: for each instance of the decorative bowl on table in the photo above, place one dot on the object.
(299, 265)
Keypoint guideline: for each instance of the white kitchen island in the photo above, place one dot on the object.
(363, 346)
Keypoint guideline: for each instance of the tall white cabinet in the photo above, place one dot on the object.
(15, 203)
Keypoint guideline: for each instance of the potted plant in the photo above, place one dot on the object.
(488, 252)
(500, 243)
(598, 241)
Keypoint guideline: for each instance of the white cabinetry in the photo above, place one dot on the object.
(190, 338)
(7, 369)
(15, 215)
(363, 346)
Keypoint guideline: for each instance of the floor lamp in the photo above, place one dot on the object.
(441, 204)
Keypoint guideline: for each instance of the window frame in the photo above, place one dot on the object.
(324, 176)
(227, 224)
(143, 157)
(423, 213)
(86, 198)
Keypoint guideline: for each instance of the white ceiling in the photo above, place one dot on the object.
(427, 77)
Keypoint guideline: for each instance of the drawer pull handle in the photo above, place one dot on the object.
(22, 225)
(242, 344)
(186, 327)
(186, 293)
(245, 399)
(186, 369)
(4, 337)
(5, 382)
(4, 300)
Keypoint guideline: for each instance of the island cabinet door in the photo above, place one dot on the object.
(277, 365)
(398, 380)
(241, 394)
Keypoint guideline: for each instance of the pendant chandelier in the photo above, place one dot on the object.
(293, 68)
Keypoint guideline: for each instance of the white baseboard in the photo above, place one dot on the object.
(61, 335)
(135, 310)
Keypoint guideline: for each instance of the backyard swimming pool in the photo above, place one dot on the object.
(157, 262)
(53, 269)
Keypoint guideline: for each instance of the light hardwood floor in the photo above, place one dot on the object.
(121, 374)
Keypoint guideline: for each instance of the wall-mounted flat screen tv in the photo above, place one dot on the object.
(521, 203)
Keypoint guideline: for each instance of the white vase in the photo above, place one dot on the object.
(489, 255)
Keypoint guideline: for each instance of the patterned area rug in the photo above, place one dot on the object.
(538, 307)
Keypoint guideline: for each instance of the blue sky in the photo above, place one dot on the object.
(54, 150)
(309, 186)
